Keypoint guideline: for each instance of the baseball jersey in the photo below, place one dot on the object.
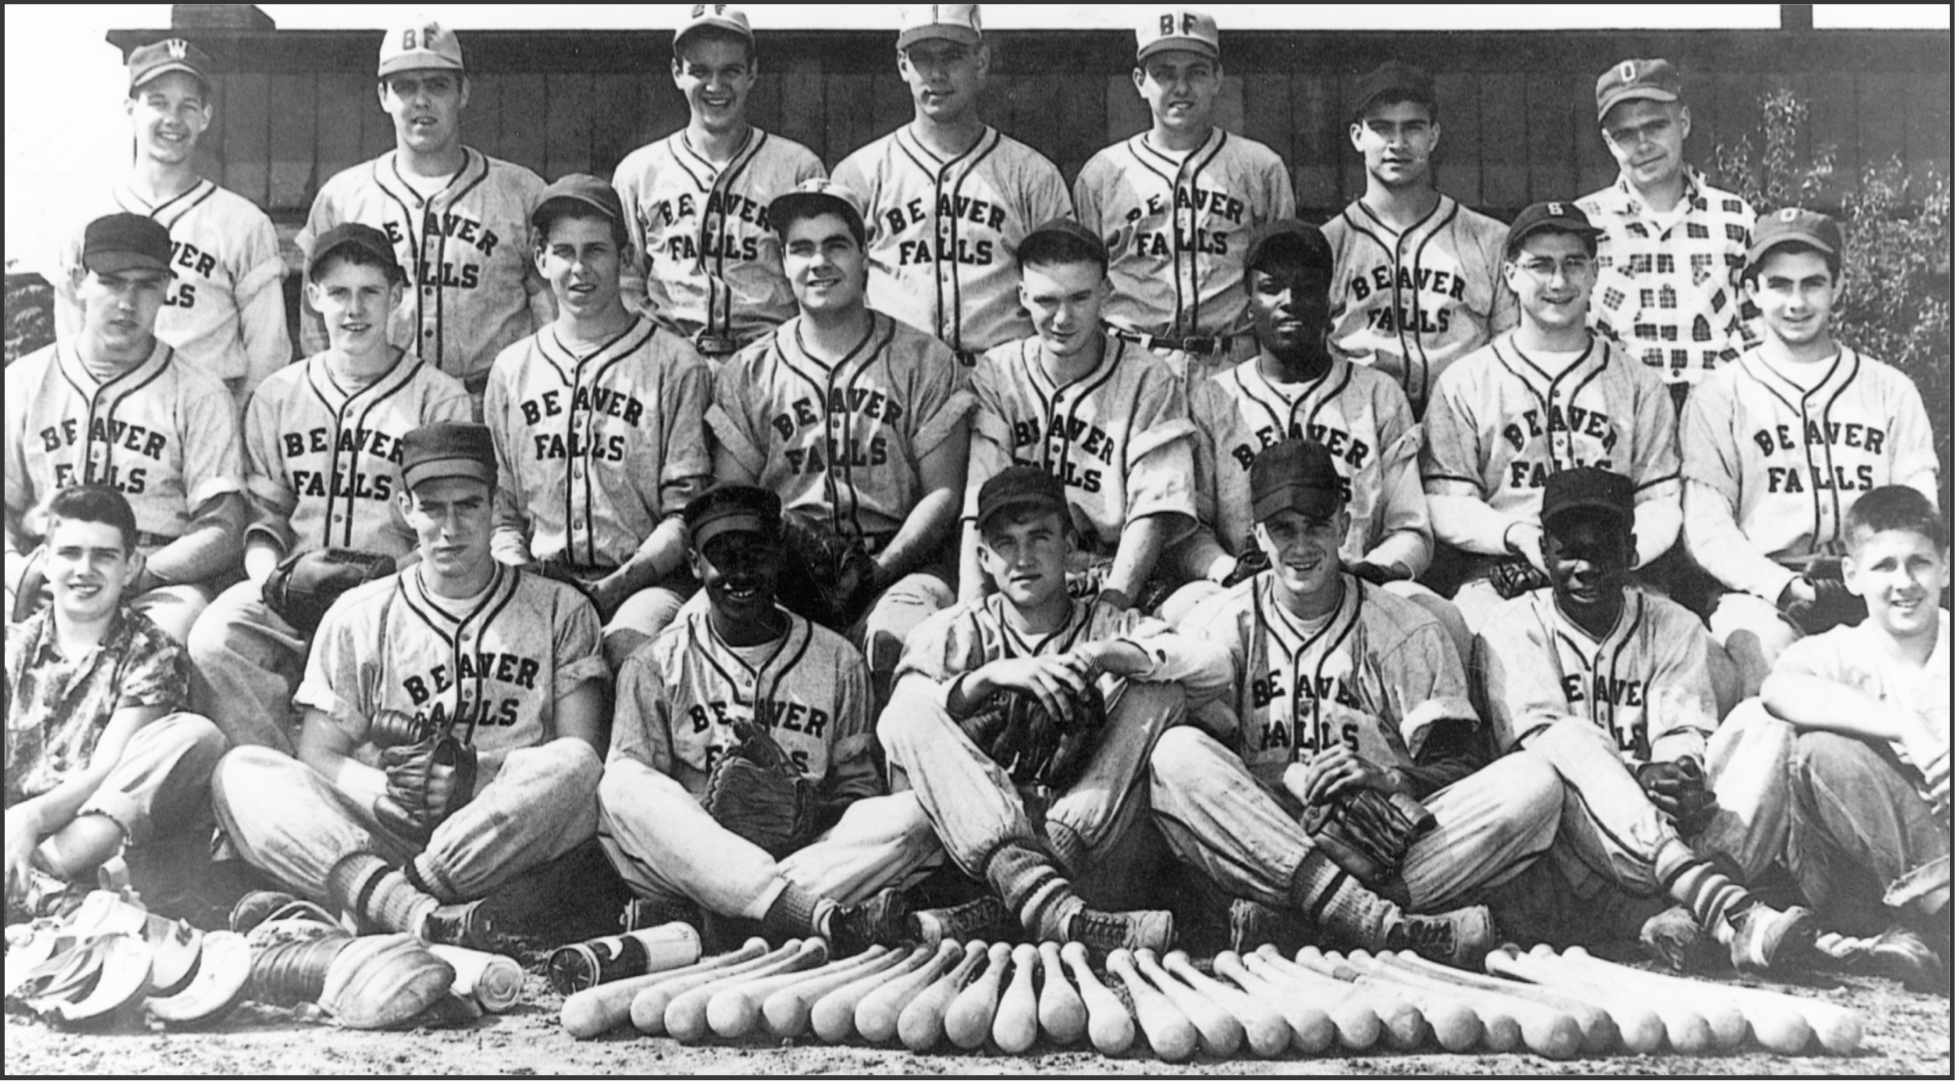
(467, 251)
(944, 233)
(493, 667)
(225, 309)
(1667, 286)
(595, 450)
(1500, 422)
(1177, 228)
(162, 433)
(1861, 658)
(841, 444)
(323, 458)
(678, 700)
(1374, 675)
(706, 258)
(1117, 438)
(1645, 682)
(1410, 303)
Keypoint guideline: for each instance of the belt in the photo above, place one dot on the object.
(1202, 345)
(715, 345)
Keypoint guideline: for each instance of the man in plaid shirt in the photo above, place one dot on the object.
(1672, 246)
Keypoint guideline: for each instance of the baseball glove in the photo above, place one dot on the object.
(1367, 832)
(1252, 562)
(410, 752)
(1678, 790)
(1032, 745)
(827, 578)
(1515, 577)
(1833, 604)
(757, 792)
(306, 584)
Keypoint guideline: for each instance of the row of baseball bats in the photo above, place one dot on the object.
(971, 995)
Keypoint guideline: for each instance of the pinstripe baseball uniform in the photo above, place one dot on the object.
(1410, 303)
(944, 234)
(706, 259)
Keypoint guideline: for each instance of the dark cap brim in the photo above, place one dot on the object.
(1310, 501)
(117, 262)
(1589, 505)
(736, 522)
(1633, 93)
(963, 35)
(1033, 500)
(439, 469)
(166, 68)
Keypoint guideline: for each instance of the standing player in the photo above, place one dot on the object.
(225, 310)
(117, 407)
(1176, 203)
(1672, 245)
(704, 262)
(949, 199)
(599, 427)
(1779, 446)
(1418, 275)
(459, 219)
(322, 440)
(1543, 398)
(453, 714)
(1105, 416)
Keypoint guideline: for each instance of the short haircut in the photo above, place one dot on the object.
(808, 212)
(1019, 516)
(557, 210)
(1894, 507)
(1401, 97)
(712, 33)
(356, 256)
(1794, 247)
(94, 503)
(1056, 248)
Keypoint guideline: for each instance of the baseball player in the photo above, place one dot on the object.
(1609, 684)
(853, 418)
(1545, 397)
(1418, 277)
(322, 451)
(736, 659)
(1778, 447)
(1871, 767)
(491, 665)
(459, 219)
(1176, 203)
(1672, 246)
(599, 428)
(1105, 416)
(116, 406)
(1038, 849)
(704, 262)
(949, 199)
(1339, 686)
(225, 308)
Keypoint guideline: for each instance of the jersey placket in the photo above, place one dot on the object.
(340, 519)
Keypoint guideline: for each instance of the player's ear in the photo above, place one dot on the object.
(678, 70)
(694, 563)
(984, 59)
(1358, 135)
(464, 102)
(137, 561)
(1684, 121)
(380, 92)
(314, 295)
(1434, 128)
(1140, 81)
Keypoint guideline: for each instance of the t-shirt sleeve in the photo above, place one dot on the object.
(577, 654)
(1425, 684)
(1450, 455)
(736, 433)
(688, 459)
(266, 482)
(1680, 712)
(213, 456)
(340, 672)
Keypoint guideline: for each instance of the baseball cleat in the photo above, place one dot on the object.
(1765, 938)
(981, 918)
(1459, 937)
(880, 921)
(1896, 953)
(1674, 939)
(1102, 932)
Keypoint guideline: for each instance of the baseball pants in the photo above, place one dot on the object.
(251, 661)
(1754, 633)
(161, 784)
(1858, 826)
(665, 845)
(1217, 817)
(638, 621)
(886, 627)
(288, 821)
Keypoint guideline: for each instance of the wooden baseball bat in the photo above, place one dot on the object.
(1600, 1031)
(1109, 1026)
(833, 1015)
(1217, 1032)
(1545, 1031)
(1301, 1023)
(921, 1025)
(968, 1020)
(735, 1011)
(1456, 1028)
(1170, 1033)
(1685, 1029)
(1770, 1014)
(1729, 1025)
(785, 1012)
(877, 1013)
(1302, 997)
(594, 1010)
(1016, 1025)
(1265, 1029)
(1404, 1027)
(1062, 1013)
(686, 1014)
(649, 1006)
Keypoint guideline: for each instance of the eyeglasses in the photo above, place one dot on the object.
(1544, 270)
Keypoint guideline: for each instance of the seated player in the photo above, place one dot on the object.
(116, 406)
(1040, 847)
(1609, 684)
(1779, 445)
(453, 714)
(97, 756)
(320, 442)
(734, 671)
(598, 421)
(1869, 841)
(1339, 686)
(1105, 416)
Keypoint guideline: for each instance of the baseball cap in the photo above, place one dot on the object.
(1559, 217)
(814, 197)
(1288, 235)
(1020, 487)
(1651, 80)
(714, 16)
(581, 189)
(1062, 240)
(731, 508)
(423, 43)
(120, 242)
(1295, 475)
(1587, 488)
(947, 22)
(1177, 28)
(1397, 81)
(1790, 224)
(163, 57)
(359, 236)
(435, 452)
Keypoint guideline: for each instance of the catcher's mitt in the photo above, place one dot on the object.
(383, 981)
(410, 752)
(1367, 832)
(1032, 745)
(1515, 577)
(757, 792)
(1833, 604)
(826, 578)
(306, 584)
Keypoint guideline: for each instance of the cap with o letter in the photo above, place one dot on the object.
(1635, 80)
(163, 57)
(423, 43)
(731, 508)
(439, 452)
(941, 22)
(1295, 475)
(1790, 225)
(121, 242)
(715, 17)
(1556, 217)
(1587, 488)
(1177, 28)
